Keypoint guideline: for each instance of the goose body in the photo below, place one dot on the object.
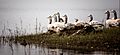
(57, 26)
(50, 27)
(79, 22)
(94, 22)
(111, 23)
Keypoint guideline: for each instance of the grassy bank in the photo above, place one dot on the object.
(106, 40)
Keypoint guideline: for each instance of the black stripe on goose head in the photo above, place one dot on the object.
(108, 14)
(91, 17)
(115, 13)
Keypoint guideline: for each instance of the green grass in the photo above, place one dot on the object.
(106, 40)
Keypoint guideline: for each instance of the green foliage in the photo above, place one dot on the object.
(107, 39)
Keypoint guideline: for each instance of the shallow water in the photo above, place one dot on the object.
(9, 48)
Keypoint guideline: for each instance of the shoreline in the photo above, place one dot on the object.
(107, 40)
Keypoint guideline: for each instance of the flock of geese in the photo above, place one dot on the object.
(58, 23)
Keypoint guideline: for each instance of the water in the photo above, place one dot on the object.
(9, 48)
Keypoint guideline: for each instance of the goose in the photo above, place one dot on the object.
(50, 19)
(62, 26)
(67, 25)
(65, 18)
(109, 21)
(56, 26)
(92, 22)
(79, 24)
(50, 25)
(95, 24)
(53, 26)
(59, 19)
(115, 17)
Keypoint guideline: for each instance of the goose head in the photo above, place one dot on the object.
(108, 14)
(115, 13)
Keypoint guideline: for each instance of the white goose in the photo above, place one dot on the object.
(50, 25)
(58, 16)
(92, 22)
(115, 17)
(57, 26)
(109, 21)
(67, 25)
(96, 24)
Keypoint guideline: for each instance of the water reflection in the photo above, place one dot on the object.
(10, 48)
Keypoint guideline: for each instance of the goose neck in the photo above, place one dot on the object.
(50, 21)
(91, 18)
(108, 16)
(115, 15)
(55, 18)
(66, 19)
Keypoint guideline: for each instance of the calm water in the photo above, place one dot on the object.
(8, 48)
